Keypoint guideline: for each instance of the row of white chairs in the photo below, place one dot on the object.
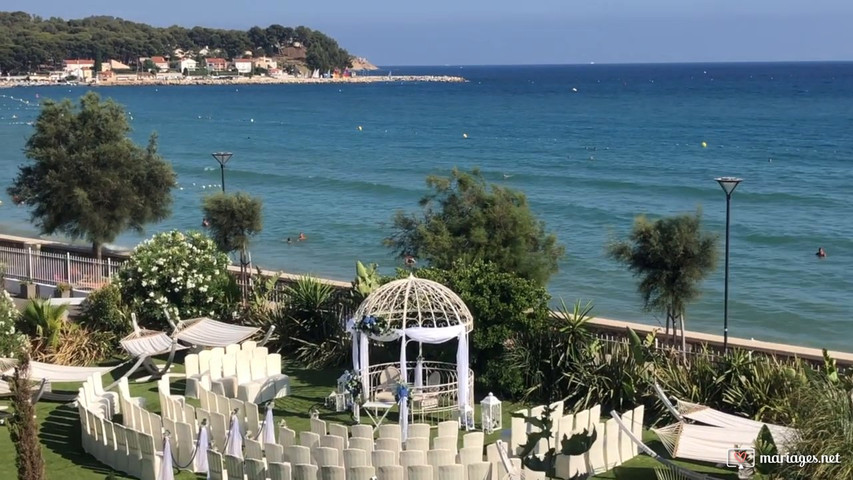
(236, 469)
(245, 371)
(610, 449)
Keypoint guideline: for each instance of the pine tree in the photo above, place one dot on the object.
(22, 424)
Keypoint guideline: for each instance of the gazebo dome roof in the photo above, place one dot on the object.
(416, 302)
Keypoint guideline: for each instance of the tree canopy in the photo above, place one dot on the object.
(28, 42)
(465, 219)
(87, 179)
(234, 219)
(670, 256)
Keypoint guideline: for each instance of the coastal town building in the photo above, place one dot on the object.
(187, 64)
(266, 63)
(243, 65)
(80, 68)
(160, 63)
(110, 65)
(216, 64)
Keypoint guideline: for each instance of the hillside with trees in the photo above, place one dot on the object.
(29, 43)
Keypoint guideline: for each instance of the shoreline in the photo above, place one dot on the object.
(606, 326)
(256, 80)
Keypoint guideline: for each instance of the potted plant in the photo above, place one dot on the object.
(64, 289)
(28, 289)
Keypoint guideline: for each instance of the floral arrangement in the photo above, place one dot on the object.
(11, 342)
(372, 325)
(352, 383)
(402, 391)
(184, 274)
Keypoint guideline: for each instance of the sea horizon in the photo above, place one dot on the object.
(590, 147)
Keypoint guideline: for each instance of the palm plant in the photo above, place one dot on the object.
(45, 320)
(671, 256)
(824, 422)
(312, 328)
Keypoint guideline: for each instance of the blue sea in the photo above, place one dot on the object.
(592, 146)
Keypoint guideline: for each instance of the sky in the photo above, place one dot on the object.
(499, 32)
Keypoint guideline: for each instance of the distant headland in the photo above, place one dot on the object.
(112, 51)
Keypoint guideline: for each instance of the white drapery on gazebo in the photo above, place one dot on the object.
(419, 310)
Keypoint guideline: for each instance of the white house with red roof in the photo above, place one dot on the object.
(80, 67)
(161, 63)
(216, 64)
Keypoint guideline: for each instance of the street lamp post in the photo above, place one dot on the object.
(222, 158)
(729, 184)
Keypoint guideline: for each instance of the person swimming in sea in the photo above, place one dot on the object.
(301, 237)
(205, 223)
(821, 253)
(289, 241)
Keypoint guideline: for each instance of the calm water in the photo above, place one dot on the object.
(627, 141)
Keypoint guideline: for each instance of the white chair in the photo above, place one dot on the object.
(318, 426)
(298, 454)
(333, 441)
(254, 469)
(480, 471)
(361, 473)
(253, 418)
(390, 472)
(253, 449)
(124, 392)
(392, 444)
(332, 472)
(218, 430)
(390, 431)
(358, 443)
(469, 455)
(247, 389)
(445, 443)
(362, 431)
(279, 471)
(625, 451)
(122, 457)
(248, 345)
(134, 454)
(451, 472)
(274, 452)
(275, 379)
(150, 458)
(111, 397)
(108, 451)
(637, 427)
(448, 429)
(234, 468)
(419, 430)
(325, 456)
(229, 374)
(355, 458)
(473, 439)
(204, 362)
(193, 375)
(412, 457)
(339, 430)
(303, 471)
(438, 458)
(385, 457)
(419, 472)
(417, 443)
(183, 439)
(309, 439)
(286, 436)
(214, 465)
(215, 375)
(232, 348)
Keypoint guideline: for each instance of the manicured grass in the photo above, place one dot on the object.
(64, 457)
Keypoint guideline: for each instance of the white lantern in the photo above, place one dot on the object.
(330, 400)
(342, 382)
(490, 414)
(466, 418)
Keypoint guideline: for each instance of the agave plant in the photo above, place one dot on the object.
(45, 320)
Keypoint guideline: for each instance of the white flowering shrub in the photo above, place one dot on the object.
(11, 342)
(184, 274)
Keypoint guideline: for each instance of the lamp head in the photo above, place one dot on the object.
(222, 157)
(728, 183)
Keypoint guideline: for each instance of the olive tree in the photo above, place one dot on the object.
(87, 179)
(234, 219)
(670, 256)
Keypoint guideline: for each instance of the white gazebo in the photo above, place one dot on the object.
(415, 310)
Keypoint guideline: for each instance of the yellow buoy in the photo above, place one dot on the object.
(464, 135)
(359, 128)
(704, 145)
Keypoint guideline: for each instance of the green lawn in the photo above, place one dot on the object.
(65, 459)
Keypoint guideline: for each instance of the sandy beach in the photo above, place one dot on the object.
(256, 80)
